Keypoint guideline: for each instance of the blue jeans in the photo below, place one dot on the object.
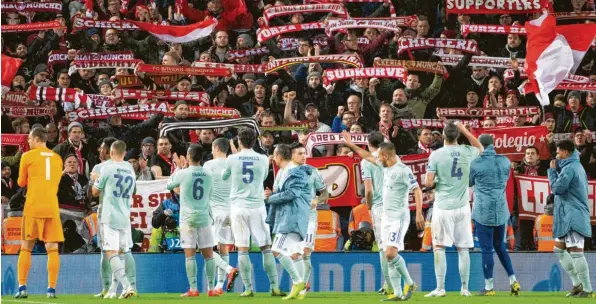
(493, 238)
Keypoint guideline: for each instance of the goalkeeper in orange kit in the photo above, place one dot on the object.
(40, 171)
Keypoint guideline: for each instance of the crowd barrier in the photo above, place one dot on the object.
(336, 272)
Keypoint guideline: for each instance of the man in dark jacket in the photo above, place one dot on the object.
(574, 115)
(180, 139)
(86, 156)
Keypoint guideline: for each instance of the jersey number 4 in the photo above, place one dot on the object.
(455, 171)
(124, 185)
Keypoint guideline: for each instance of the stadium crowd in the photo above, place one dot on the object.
(288, 103)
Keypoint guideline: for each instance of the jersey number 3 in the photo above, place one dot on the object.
(123, 190)
(455, 171)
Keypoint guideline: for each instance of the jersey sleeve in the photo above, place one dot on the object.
(100, 182)
(174, 180)
(410, 179)
(265, 160)
(432, 163)
(227, 172)
(319, 183)
(473, 152)
(23, 170)
(365, 170)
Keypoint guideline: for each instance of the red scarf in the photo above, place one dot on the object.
(169, 162)
(423, 147)
(79, 156)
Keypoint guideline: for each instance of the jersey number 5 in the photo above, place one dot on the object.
(122, 192)
(455, 171)
(247, 170)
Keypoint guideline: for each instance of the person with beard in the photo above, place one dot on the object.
(240, 95)
(129, 133)
(30, 59)
(259, 99)
(479, 80)
(180, 139)
(162, 164)
(311, 113)
(574, 115)
(9, 187)
(41, 76)
(265, 144)
(312, 91)
(584, 145)
(147, 149)
(221, 46)
(206, 138)
(349, 44)
(231, 14)
(72, 190)
(75, 145)
(514, 48)
(147, 49)
(418, 99)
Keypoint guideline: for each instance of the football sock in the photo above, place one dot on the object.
(191, 272)
(210, 272)
(289, 266)
(221, 275)
(567, 263)
(384, 268)
(464, 267)
(440, 267)
(130, 268)
(117, 266)
(583, 272)
(23, 266)
(105, 270)
(488, 284)
(245, 269)
(299, 263)
(400, 265)
(221, 264)
(270, 268)
(395, 278)
(512, 279)
(307, 268)
(53, 267)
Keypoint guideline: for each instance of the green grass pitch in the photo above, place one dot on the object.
(313, 297)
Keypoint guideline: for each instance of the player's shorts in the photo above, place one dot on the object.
(193, 237)
(376, 214)
(311, 235)
(287, 243)
(222, 226)
(394, 231)
(48, 230)
(247, 222)
(452, 227)
(116, 239)
(572, 239)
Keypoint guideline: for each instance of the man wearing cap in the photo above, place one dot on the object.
(75, 145)
(41, 76)
(574, 115)
(148, 149)
(488, 175)
(180, 139)
(105, 88)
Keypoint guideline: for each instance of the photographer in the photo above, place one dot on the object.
(165, 234)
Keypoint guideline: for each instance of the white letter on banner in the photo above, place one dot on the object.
(541, 191)
(526, 186)
(359, 271)
(591, 200)
(328, 271)
(336, 178)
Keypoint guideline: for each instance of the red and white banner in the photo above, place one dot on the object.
(153, 69)
(149, 195)
(484, 112)
(276, 64)
(410, 44)
(378, 72)
(102, 64)
(481, 61)
(342, 177)
(418, 164)
(31, 27)
(129, 81)
(193, 112)
(102, 113)
(21, 7)
(420, 66)
(574, 16)
(391, 7)
(291, 44)
(104, 56)
(391, 24)
(79, 24)
(201, 97)
(533, 190)
(58, 94)
(236, 68)
(491, 29)
(178, 33)
(15, 140)
(512, 141)
(15, 98)
(242, 53)
(586, 87)
(318, 139)
(264, 34)
(26, 111)
(56, 57)
(283, 10)
(490, 7)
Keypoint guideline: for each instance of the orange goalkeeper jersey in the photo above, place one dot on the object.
(41, 171)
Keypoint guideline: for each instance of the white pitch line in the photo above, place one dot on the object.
(32, 302)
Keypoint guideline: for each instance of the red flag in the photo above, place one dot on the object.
(178, 34)
(10, 66)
